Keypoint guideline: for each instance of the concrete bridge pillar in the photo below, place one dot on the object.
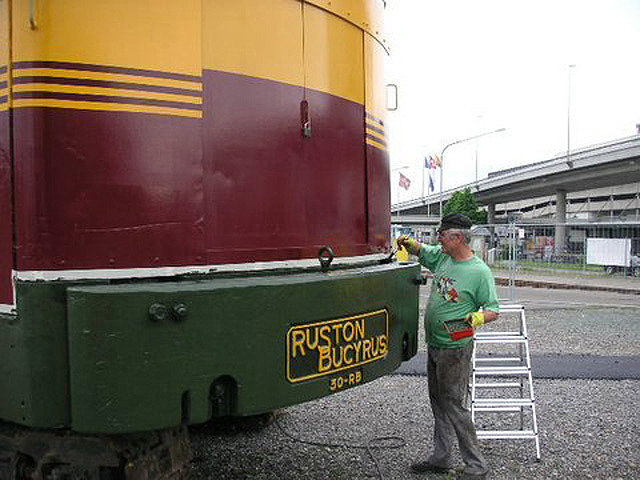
(491, 213)
(561, 220)
(491, 220)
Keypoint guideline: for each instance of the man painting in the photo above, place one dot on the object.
(463, 287)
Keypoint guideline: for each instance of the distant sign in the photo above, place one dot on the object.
(609, 251)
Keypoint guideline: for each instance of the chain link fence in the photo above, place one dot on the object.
(605, 249)
(596, 249)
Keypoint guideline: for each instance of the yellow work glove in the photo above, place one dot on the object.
(411, 245)
(475, 319)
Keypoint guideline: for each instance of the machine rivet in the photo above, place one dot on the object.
(158, 312)
(180, 312)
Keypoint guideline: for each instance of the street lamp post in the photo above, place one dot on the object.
(455, 143)
(569, 162)
(561, 195)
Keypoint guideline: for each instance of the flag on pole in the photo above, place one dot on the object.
(404, 182)
(431, 184)
(432, 162)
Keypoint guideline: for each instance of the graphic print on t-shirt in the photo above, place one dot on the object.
(447, 290)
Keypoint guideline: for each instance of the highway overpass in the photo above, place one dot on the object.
(610, 165)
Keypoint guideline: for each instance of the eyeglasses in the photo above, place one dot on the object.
(448, 232)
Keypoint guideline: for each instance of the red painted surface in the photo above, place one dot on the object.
(270, 192)
(120, 190)
(107, 189)
(6, 231)
(379, 210)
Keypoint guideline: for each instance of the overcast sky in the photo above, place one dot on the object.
(464, 67)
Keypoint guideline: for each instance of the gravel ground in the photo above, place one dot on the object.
(589, 429)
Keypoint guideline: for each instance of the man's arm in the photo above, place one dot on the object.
(412, 246)
(428, 255)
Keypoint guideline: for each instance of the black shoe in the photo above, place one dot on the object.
(426, 467)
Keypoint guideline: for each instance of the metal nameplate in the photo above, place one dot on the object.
(323, 348)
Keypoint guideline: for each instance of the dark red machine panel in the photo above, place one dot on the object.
(337, 172)
(121, 189)
(270, 192)
(6, 230)
(107, 189)
(379, 211)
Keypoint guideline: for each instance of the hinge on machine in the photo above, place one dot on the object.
(305, 119)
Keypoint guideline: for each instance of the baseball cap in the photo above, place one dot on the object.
(455, 220)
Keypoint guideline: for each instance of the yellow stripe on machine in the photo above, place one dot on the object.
(82, 90)
(373, 143)
(104, 106)
(376, 134)
(108, 77)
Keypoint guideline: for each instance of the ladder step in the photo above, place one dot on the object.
(497, 409)
(504, 402)
(499, 359)
(499, 385)
(502, 370)
(501, 365)
(510, 307)
(497, 334)
(500, 434)
(503, 339)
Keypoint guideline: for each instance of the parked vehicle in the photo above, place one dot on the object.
(632, 269)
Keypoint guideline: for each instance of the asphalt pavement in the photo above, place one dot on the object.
(557, 366)
(568, 280)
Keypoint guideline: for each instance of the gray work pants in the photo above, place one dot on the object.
(448, 373)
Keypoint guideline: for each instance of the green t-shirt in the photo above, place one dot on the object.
(459, 287)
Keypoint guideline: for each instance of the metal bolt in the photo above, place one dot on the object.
(180, 312)
(158, 312)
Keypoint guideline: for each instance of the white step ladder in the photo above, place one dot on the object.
(494, 374)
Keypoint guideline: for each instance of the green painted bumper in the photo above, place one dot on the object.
(149, 355)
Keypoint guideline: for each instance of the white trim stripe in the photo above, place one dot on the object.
(7, 308)
(122, 273)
